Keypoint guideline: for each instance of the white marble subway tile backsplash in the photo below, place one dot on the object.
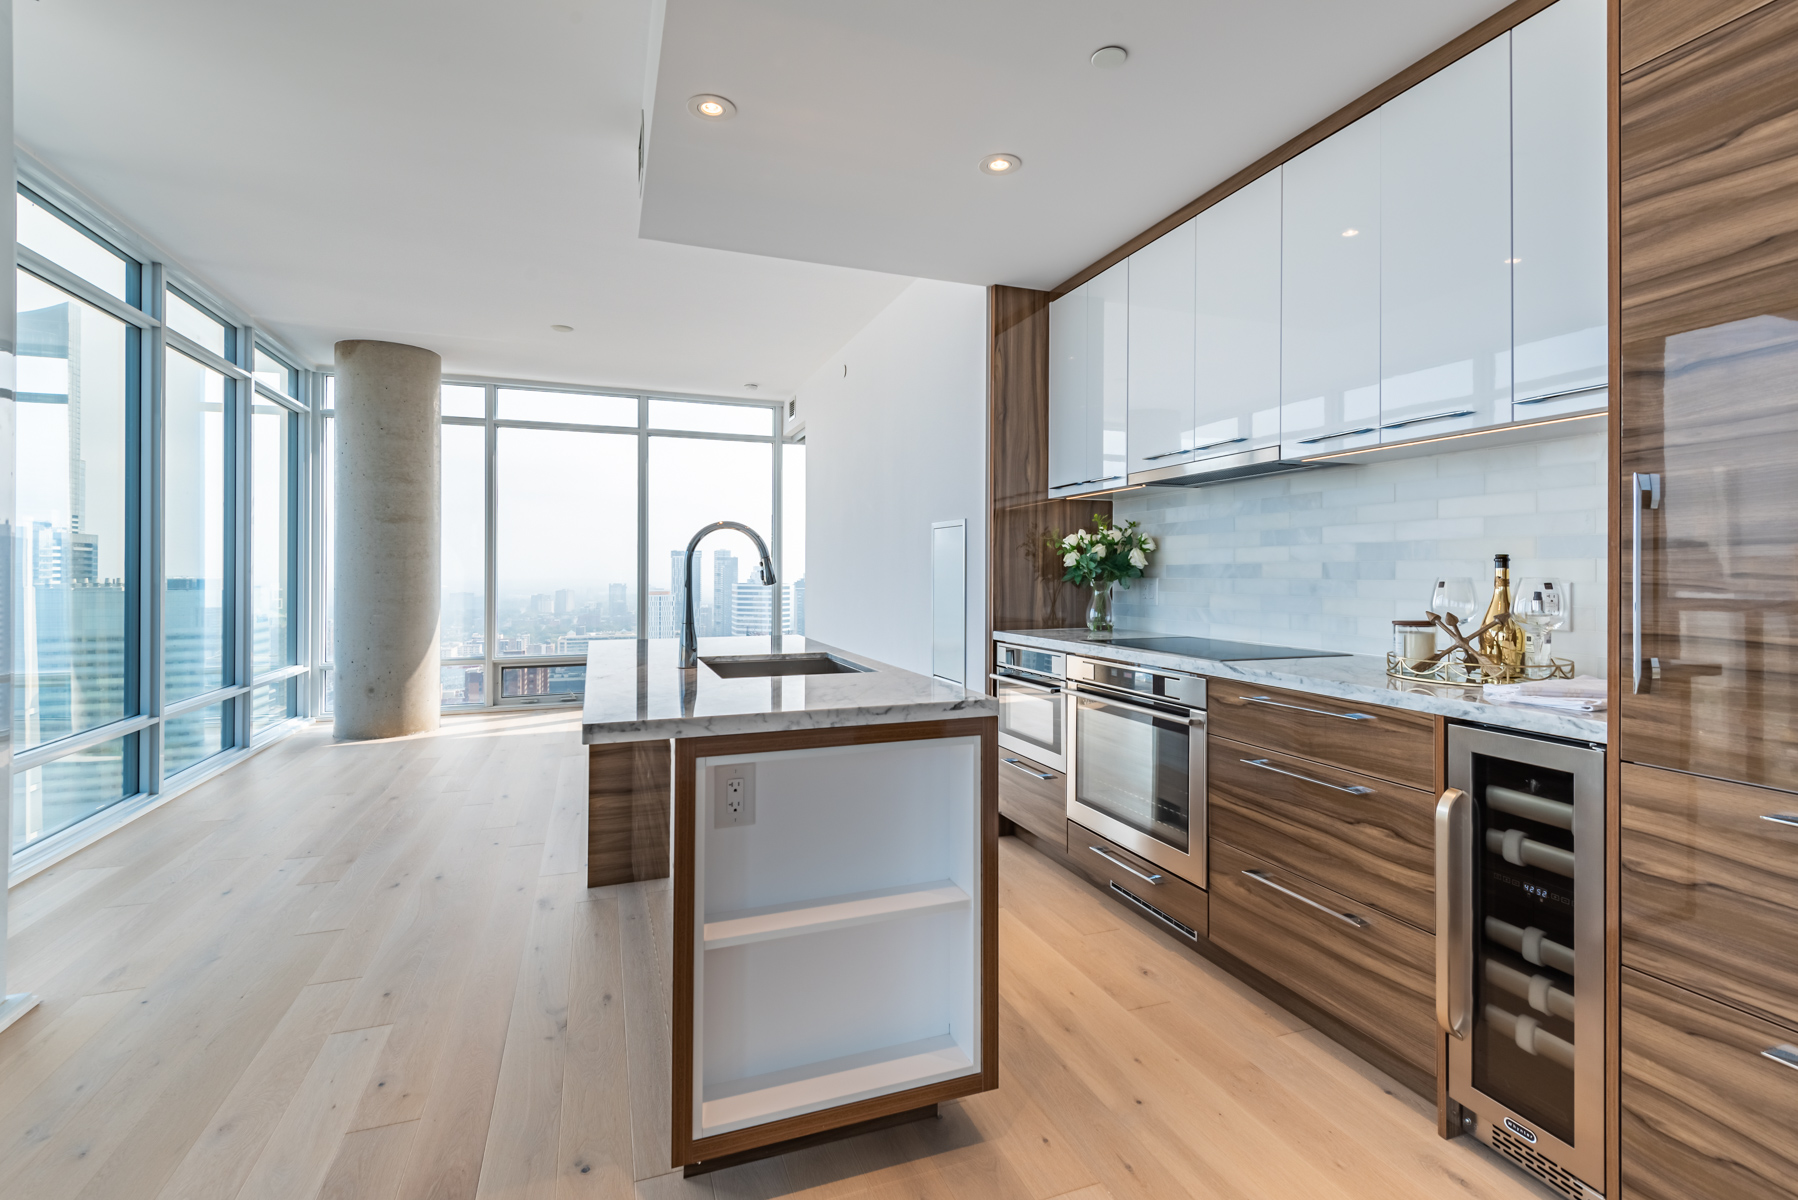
(1329, 558)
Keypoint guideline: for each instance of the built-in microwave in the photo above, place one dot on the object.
(1032, 709)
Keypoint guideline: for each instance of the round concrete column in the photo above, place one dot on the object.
(385, 570)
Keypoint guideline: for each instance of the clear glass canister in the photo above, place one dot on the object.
(1414, 642)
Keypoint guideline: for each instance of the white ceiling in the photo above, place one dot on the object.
(457, 174)
(859, 126)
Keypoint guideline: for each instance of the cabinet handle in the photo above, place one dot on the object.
(1325, 437)
(1578, 391)
(1781, 818)
(1301, 708)
(1124, 866)
(1441, 416)
(1215, 445)
(1454, 911)
(1192, 718)
(1642, 484)
(1783, 1054)
(1265, 766)
(1019, 764)
(1345, 918)
(1168, 454)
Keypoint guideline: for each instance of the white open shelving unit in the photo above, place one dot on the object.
(837, 939)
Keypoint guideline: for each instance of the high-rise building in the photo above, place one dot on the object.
(541, 603)
(615, 601)
(752, 613)
(724, 587)
(677, 577)
(564, 601)
(796, 608)
(663, 623)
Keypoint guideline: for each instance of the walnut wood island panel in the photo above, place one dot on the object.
(831, 825)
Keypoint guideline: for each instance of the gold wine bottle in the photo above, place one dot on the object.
(1503, 643)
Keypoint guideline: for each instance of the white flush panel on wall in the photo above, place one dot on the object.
(949, 600)
(1068, 458)
(1236, 327)
(1558, 156)
(1330, 293)
(1160, 389)
(1445, 249)
(1108, 374)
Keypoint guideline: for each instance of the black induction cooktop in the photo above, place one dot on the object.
(1218, 650)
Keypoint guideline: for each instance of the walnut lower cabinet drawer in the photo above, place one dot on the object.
(1387, 743)
(1139, 882)
(1035, 797)
(1705, 1114)
(1710, 887)
(1374, 973)
(1372, 841)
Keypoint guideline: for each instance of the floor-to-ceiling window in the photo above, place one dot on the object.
(156, 563)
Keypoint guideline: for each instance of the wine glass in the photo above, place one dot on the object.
(1541, 605)
(1454, 595)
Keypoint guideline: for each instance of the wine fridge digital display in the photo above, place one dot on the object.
(1520, 950)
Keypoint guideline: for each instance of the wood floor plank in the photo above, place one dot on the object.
(29, 910)
(40, 1053)
(522, 1157)
(294, 1163)
(369, 1163)
(594, 1133)
(221, 1158)
(565, 846)
(644, 913)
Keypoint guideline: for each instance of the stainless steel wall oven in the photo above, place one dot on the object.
(1032, 710)
(1520, 950)
(1137, 774)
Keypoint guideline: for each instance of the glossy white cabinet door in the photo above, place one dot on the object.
(1067, 393)
(1330, 293)
(1160, 337)
(1108, 375)
(1445, 250)
(1237, 325)
(1558, 154)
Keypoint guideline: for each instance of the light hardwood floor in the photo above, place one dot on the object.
(370, 971)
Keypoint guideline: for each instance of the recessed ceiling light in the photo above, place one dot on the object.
(1001, 164)
(752, 386)
(563, 328)
(711, 108)
(1351, 233)
(1110, 58)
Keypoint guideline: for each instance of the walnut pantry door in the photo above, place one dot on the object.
(1709, 415)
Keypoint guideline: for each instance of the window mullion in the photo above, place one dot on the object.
(490, 550)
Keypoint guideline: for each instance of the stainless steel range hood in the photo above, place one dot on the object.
(1197, 473)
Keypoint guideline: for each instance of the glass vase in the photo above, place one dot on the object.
(1099, 609)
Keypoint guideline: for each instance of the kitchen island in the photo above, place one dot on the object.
(830, 824)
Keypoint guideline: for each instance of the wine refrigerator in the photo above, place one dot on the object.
(1520, 950)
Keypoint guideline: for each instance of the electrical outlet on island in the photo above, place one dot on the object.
(733, 795)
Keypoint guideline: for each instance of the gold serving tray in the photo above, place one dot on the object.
(1469, 674)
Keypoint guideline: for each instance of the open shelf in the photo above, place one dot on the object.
(796, 1090)
(834, 912)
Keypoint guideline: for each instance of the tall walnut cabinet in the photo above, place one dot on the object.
(1707, 726)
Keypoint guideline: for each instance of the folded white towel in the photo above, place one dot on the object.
(1584, 694)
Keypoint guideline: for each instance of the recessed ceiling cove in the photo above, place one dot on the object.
(860, 128)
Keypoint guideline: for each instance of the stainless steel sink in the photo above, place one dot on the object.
(751, 666)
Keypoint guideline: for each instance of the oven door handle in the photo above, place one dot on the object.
(1454, 911)
(1192, 718)
(1115, 861)
(1025, 683)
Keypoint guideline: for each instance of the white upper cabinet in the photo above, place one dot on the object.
(1558, 155)
(1330, 294)
(1108, 374)
(1237, 325)
(1068, 456)
(1445, 250)
(1161, 362)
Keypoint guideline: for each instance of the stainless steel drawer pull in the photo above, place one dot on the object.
(1783, 1054)
(1025, 683)
(1124, 866)
(1345, 918)
(1322, 712)
(1164, 454)
(1215, 445)
(1334, 787)
(1781, 818)
(1579, 391)
(1019, 764)
(1441, 416)
(1645, 491)
(1326, 437)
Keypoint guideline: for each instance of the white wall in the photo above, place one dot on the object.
(1328, 559)
(895, 430)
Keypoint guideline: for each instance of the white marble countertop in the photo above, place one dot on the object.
(636, 691)
(1358, 677)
